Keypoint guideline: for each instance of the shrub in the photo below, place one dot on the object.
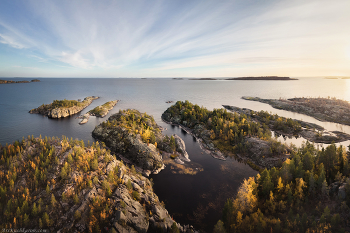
(136, 195)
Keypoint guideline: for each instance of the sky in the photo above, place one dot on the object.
(179, 38)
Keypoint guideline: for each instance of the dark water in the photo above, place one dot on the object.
(197, 199)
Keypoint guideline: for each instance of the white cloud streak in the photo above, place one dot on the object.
(152, 36)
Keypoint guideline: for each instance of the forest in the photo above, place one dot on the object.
(309, 193)
(34, 177)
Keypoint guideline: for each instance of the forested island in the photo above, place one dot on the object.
(63, 108)
(11, 81)
(323, 109)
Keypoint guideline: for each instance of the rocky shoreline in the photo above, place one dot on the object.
(323, 109)
(205, 145)
(59, 112)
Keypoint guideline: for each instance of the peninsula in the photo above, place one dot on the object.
(63, 108)
(223, 134)
(323, 109)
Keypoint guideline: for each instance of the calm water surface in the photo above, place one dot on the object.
(197, 199)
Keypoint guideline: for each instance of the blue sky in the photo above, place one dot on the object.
(180, 38)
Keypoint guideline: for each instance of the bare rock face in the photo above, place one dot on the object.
(261, 155)
(181, 148)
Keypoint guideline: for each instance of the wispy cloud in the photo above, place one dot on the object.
(159, 37)
(11, 42)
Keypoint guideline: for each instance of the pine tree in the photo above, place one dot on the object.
(172, 143)
(47, 189)
(53, 201)
(26, 220)
(34, 210)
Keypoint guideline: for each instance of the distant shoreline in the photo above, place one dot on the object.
(249, 78)
(24, 81)
(263, 78)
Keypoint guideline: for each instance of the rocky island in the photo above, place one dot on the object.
(135, 137)
(63, 108)
(223, 134)
(323, 109)
(99, 111)
(62, 185)
(292, 128)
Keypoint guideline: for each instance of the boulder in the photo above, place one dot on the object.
(181, 148)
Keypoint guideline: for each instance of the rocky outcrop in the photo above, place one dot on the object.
(135, 137)
(292, 127)
(58, 112)
(323, 109)
(81, 190)
(260, 154)
(99, 111)
(120, 141)
(181, 148)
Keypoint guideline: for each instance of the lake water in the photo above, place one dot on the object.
(197, 199)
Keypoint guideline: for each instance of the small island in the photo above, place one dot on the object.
(63, 108)
(323, 109)
(23, 81)
(99, 111)
(263, 78)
